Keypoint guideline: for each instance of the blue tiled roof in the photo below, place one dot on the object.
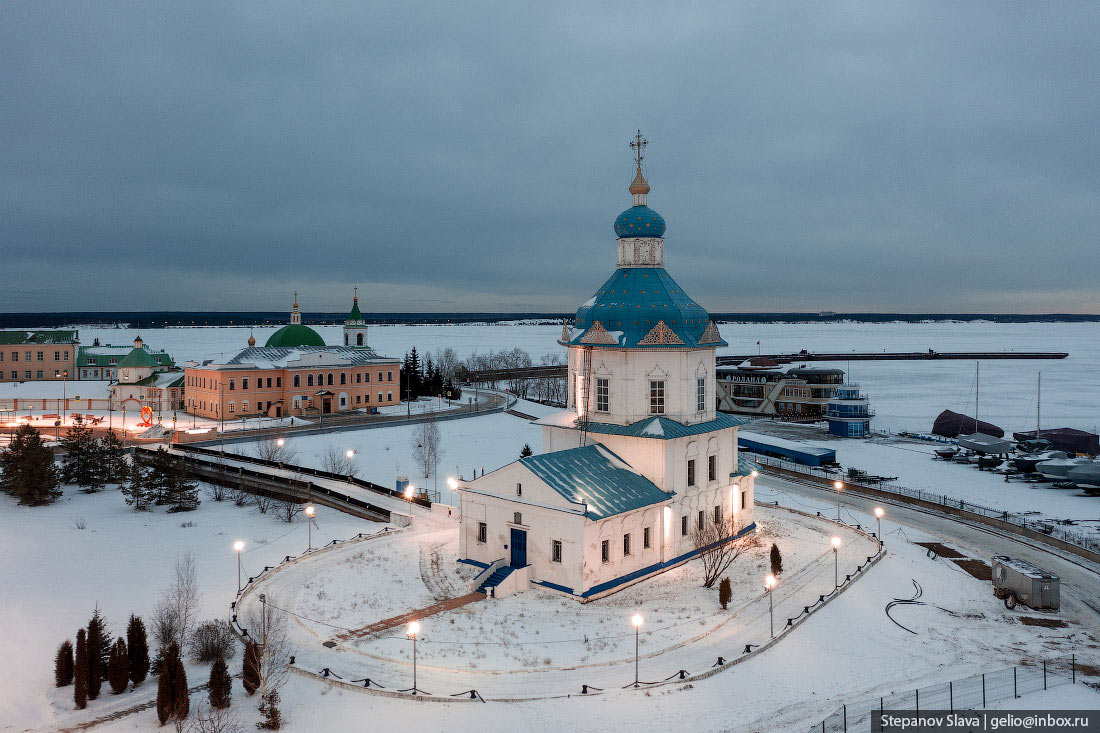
(662, 428)
(745, 466)
(640, 221)
(597, 478)
(632, 302)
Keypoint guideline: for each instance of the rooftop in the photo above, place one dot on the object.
(301, 357)
(596, 477)
(658, 427)
(38, 337)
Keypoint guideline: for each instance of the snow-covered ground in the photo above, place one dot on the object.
(907, 395)
(484, 442)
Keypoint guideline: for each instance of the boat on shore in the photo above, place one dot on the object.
(985, 444)
(1059, 468)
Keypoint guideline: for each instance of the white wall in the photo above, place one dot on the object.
(629, 372)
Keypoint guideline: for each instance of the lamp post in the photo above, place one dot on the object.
(350, 455)
(310, 511)
(836, 562)
(452, 484)
(238, 546)
(838, 485)
(411, 631)
(409, 489)
(878, 518)
(637, 620)
(769, 586)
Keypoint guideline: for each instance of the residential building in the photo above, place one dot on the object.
(38, 355)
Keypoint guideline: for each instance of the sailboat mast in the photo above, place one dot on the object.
(1039, 407)
(977, 390)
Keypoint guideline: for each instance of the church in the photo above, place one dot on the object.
(640, 459)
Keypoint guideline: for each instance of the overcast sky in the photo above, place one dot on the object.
(829, 156)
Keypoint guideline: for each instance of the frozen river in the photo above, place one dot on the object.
(905, 395)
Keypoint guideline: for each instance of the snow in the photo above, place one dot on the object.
(468, 445)
(906, 395)
(1064, 697)
(654, 428)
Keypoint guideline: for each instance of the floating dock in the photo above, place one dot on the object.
(894, 356)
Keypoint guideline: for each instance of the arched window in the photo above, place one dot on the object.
(309, 380)
(320, 379)
(517, 518)
(232, 406)
(244, 406)
(330, 378)
(297, 380)
(358, 339)
(343, 378)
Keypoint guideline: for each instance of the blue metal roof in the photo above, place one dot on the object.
(631, 304)
(640, 221)
(804, 453)
(659, 427)
(745, 466)
(596, 477)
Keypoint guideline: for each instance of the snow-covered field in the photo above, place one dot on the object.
(907, 395)
(382, 454)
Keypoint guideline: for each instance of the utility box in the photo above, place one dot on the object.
(1018, 581)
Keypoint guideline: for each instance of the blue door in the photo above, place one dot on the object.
(519, 548)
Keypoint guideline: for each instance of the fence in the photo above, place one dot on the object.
(970, 693)
(1041, 528)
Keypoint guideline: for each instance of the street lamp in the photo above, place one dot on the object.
(280, 442)
(409, 493)
(838, 485)
(836, 562)
(411, 631)
(878, 517)
(755, 473)
(310, 511)
(238, 546)
(769, 586)
(637, 620)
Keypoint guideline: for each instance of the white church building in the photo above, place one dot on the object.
(639, 459)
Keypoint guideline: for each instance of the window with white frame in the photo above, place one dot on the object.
(656, 397)
(555, 551)
(603, 394)
(701, 394)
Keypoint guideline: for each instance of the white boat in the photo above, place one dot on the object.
(1086, 475)
(985, 444)
(1059, 468)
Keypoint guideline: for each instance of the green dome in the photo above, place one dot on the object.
(137, 358)
(295, 335)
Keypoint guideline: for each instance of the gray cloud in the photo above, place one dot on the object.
(843, 156)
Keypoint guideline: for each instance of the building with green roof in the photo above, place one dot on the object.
(38, 355)
(295, 333)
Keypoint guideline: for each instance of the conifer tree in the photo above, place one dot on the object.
(250, 674)
(173, 700)
(82, 464)
(220, 685)
(63, 664)
(137, 487)
(526, 450)
(114, 458)
(183, 492)
(138, 645)
(98, 653)
(725, 593)
(118, 667)
(80, 671)
(776, 560)
(27, 469)
(159, 477)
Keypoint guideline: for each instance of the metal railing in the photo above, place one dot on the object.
(969, 693)
(1049, 527)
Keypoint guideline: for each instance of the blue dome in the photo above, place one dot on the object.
(631, 305)
(639, 221)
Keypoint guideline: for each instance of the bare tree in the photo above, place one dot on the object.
(263, 502)
(182, 598)
(335, 460)
(267, 625)
(239, 496)
(217, 492)
(287, 509)
(426, 446)
(276, 449)
(206, 719)
(718, 546)
(446, 360)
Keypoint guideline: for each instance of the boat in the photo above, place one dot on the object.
(985, 444)
(1086, 475)
(1059, 468)
(986, 462)
(1026, 463)
(946, 453)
